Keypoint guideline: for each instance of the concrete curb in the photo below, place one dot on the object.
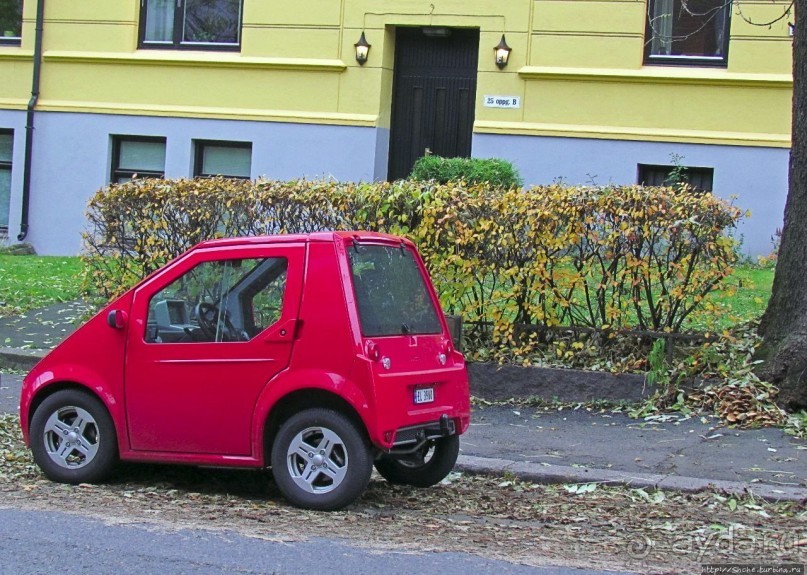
(553, 474)
(20, 359)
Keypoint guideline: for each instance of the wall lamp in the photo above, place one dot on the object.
(362, 49)
(502, 52)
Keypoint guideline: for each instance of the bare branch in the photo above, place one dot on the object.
(786, 13)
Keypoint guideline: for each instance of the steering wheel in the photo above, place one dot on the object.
(211, 323)
(207, 315)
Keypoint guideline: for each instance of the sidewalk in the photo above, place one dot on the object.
(568, 446)
(671, 452)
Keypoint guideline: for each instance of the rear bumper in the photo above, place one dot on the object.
(414, 436)
(406, 424)
(398, 422)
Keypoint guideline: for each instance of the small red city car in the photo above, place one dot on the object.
(318, 356)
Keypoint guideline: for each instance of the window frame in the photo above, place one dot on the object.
(395, 314)
(13, 40)
(699, 171)
(116, 172)
(7, 165)
(236, 318)
(176, 42)
(198, 156)
(682, 59)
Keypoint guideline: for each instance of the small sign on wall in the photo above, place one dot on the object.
(510, 102)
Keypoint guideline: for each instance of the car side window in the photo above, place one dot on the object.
(219, 301)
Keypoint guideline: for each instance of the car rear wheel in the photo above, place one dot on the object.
(423, 468)
(321, 460)
(73, 439)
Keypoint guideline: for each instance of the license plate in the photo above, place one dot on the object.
(425, 395)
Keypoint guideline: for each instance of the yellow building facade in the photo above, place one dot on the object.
(593, 91)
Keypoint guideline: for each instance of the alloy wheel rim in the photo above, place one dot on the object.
(419, 458)
(317, 460)
(71, 437)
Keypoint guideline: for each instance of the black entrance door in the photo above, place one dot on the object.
(434, 92)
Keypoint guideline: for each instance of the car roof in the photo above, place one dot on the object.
(328, 237)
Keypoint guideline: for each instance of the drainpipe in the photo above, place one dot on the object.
(29, 123)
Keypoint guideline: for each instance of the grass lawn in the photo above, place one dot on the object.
(743, 297)
(28, 282)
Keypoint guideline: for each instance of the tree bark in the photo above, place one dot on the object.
(784, 323)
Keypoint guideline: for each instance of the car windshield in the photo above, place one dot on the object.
(392, 295)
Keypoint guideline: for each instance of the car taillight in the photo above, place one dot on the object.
(445, 351)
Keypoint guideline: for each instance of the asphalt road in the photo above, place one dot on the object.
(40, 542)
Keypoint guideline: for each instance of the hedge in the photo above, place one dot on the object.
(606, 258)
(491, 171)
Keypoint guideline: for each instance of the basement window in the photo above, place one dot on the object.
(137, 157)
(217, 158)
(6, 149)
(699, 178)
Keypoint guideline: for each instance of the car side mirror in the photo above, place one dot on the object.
(116, 319)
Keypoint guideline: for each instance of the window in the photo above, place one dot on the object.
(390, 291)
(231, 159)
(6, 147)
(699, 178)
(694, 32)
(191, 24)
(219, 301)
(10, 22)
(137, 157)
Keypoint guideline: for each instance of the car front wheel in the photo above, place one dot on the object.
(73, 439)
(423, 468)
(321, 460)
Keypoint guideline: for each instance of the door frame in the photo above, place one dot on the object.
(471, 104)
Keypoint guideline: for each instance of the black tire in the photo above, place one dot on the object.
(331, 478)
(73, 439)
(425, 467)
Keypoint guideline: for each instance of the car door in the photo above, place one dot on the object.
(207, 335)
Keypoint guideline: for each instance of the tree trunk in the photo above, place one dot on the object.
(784, 324)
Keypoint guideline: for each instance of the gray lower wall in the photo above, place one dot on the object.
(72, 157)
(757, 177)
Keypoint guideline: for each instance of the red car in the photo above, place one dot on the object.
(317, 355)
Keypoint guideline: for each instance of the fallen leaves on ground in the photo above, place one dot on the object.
(503, 518)
(31, 282)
